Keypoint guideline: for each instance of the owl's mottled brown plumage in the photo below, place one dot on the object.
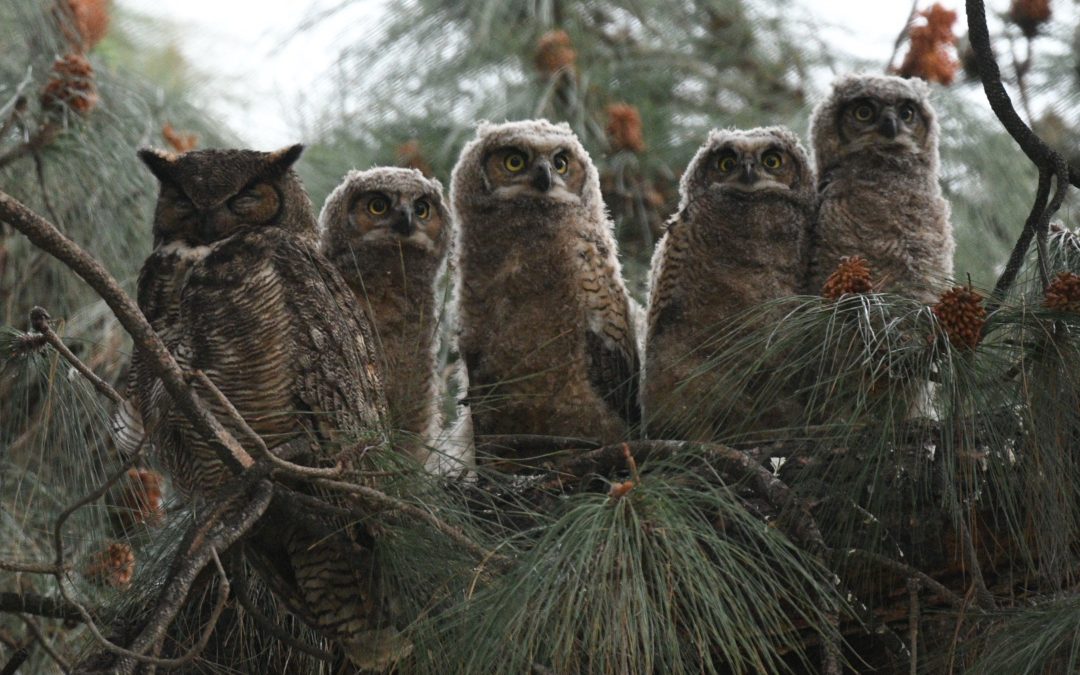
(238, 290)
(740, 239)
(875, 141)
(547, 333)
(386, 230)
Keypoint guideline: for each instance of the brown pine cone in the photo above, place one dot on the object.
(851, 276)
(71, 84)
(961, 313)
(114, 566)
(554, 53)
(1063, 293)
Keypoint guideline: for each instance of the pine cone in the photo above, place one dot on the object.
(851, 277)
(961, 313)
(1063, 293)
(1029, 15)
(928, 56)
(140, 499)
(114, 566)
(89, 19)
(554, 53)
(71, 84)
(624, 128)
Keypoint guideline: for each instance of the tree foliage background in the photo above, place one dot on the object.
(641, 83)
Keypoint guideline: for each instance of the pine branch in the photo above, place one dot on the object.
(39, 321)
(47, 237)
(38, 605)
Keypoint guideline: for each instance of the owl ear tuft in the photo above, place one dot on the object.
(283, 158)
(160, 163)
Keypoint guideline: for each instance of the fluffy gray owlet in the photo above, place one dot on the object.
(741, 238)
(237, 289)
(546, 329)
(386, 230)
(876, 148)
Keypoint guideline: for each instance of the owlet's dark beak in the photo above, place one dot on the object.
(542, 179)
(889, 126)
(404, 221)
(747, 174)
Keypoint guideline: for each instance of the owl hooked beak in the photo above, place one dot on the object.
(748, 175)
(404, 222)
(889, 126)
(542, 179)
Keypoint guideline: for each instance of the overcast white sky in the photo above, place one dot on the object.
(249, 48)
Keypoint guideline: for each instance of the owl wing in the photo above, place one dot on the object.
(610, 342)
(665, 307)
(158, 292)
(339, 381)
(278, 331)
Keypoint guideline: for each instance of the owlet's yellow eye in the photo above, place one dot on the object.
(907, 113)
(863, 112)
(422, 209)
(562, 165)
(514, 162)
(772, 160)
(378, 206)
(726, 163)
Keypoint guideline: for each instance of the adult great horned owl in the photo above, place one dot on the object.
(546, 329)
(740, 239)
(238, 290)
(875, 143)
(386, 230)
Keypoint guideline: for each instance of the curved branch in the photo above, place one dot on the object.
(47, 237)
(1034, 147)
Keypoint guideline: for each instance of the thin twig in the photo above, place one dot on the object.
(382, 499)
(45, 134)
(36, 631)
(904, 570)
(913, 623)
(39, 321)
(47, 237)
(903, 35)
(296, 470)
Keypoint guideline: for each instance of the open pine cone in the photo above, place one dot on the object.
(71, 83)
(114, 566)
(1063, 293)
(851, 276)
(961, 313)
(140, 499)
(554, 53)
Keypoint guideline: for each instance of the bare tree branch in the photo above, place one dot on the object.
(39, 321)
(1034, 147)
(36, 631)
(38, 605)
(1049, 162)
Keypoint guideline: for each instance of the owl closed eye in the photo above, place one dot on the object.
(208, 195)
